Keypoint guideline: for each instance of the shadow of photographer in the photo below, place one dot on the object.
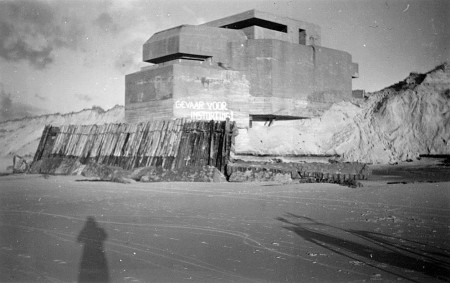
(93, 263)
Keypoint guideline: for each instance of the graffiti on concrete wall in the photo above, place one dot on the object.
(205, 110)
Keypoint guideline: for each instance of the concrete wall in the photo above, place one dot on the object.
(161, 44)
(293, 79)
(200, 92)
(257, 64)
(292, 69)
(260, 76)
(195, 40)
(260, 69)
(203, 93)
(332, 75)
(312, 30)
(256, 32)
(148, 94)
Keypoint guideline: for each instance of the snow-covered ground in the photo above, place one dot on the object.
(227, 232)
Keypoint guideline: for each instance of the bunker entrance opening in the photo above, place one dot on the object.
(257, 22)
(268, 119)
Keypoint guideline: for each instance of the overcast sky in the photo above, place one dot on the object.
(61, 56)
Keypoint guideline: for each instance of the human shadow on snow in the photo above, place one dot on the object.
(380, 248)
(93, 263)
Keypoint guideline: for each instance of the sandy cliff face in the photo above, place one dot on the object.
(22, 136)
(395, 124)
(401, 122)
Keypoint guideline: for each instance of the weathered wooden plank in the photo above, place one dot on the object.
(219, 152)
(103, 147)
(193, 147)
(142, 145)
(74, 142)
(42, 142)
(91, 135)
(67, 140)
(69, 143)
(184, 139)
(121, 138)
(112, 140)
(162, 146)
(224, 145)
(81, 142)
(47, 151)
(157, 146)
(156, 137)
(200, 159)
(96, 141)
(59, 141)
(56, 145)
(171, 144)
(134, 137)
(83, 151)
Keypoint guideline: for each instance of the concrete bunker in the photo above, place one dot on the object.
(207, 84)
(258, 66)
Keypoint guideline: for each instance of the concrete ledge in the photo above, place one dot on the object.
(302, 172)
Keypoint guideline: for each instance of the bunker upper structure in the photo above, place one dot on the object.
(253, 66)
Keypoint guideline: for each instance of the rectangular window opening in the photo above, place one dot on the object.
(257, 22)
(269, 119)
(176, 56)
(302, 36)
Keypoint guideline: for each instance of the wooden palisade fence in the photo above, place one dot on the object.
(171, 144)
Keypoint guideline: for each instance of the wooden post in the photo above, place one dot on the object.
(42, 142)
(211, 141)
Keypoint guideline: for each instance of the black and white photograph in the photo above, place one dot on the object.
(224, 141)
